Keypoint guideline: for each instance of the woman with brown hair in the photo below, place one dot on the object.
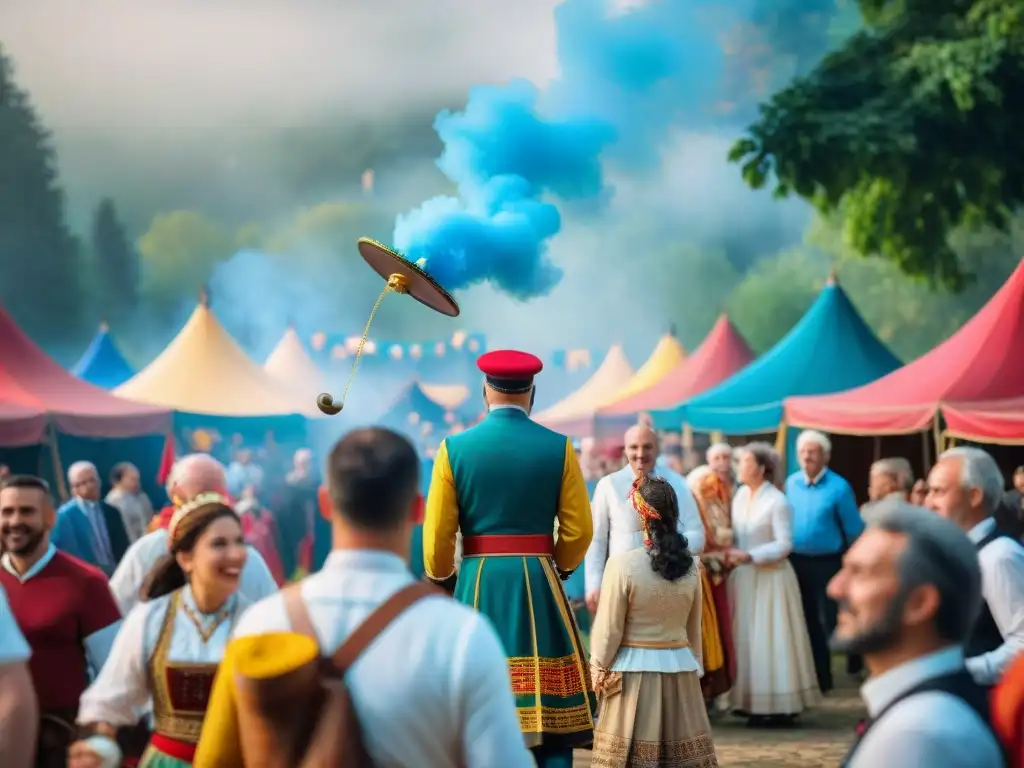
(775, 678)
(646, 646)
(170, 645)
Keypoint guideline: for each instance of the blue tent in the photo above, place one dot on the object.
(103, 364)
(831, 349)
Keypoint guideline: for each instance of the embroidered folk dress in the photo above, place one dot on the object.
(646, 659)
(774, 666)
(161, 652)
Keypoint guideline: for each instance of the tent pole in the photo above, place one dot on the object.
(937, 435)
(58, 467)
(926, 452)
(877, 442)
(780, 448)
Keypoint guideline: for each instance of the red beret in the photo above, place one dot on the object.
(510, 364)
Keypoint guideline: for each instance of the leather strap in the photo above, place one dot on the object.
(365, 633)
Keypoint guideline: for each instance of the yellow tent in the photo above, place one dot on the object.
(204, 371)
(448, 396)
(574, 414)
(292, 367)
(667, 354)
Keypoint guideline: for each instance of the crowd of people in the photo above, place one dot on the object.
(725, 590)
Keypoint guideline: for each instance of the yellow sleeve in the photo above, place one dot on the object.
(575, 524)
(219, 744)
(440, 520)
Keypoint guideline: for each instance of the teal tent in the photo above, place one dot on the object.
(830, 350)
(102, 364)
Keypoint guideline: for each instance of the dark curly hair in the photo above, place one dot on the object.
(669, 551)
(166, 576)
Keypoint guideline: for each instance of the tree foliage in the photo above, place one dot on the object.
(116, 264)
(910, 131)
(179, 251)
(38, 254)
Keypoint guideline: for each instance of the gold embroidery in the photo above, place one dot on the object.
(547, 677)
(555, 719)
(205, 633)
(616, 752)
(538, 680)
(569, 620)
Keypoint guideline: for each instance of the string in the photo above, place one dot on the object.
(391, 286)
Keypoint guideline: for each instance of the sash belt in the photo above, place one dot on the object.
(179, 750)
(527, 545)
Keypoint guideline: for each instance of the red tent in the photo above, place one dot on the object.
(980, 362)
(994, 421)
(722, 353)
(35, 390)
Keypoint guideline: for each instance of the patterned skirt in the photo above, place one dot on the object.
(524, 599)
(654, 720)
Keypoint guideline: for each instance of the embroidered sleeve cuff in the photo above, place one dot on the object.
(564, 575)
(447, 584)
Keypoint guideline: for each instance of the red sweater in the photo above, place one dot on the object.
(57, 608)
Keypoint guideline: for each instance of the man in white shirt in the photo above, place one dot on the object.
(908, 592)
(966, 486)
(433, 689)
(191, 475)
(616, 525)
(19, 712)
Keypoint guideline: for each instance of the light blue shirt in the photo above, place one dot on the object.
(826, 519)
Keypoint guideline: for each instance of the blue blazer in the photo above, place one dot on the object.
(73, 533)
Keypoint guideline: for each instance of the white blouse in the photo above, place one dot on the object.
(763, 524)
(122, 687)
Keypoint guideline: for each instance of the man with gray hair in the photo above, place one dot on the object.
(890, 478)
(826, 521)
(191, 475)
(908, 594)
(965, 487)
(88, 527)
(719, 461)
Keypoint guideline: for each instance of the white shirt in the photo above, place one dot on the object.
(13, 646)
(121, 689)
(1002, 587)
(97, 645)
(617, 525)
(762, 523)
(255, 584)
(438, 675)
(930, 730)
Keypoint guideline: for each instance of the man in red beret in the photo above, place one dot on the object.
(506, 483)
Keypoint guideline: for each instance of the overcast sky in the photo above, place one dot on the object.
(120, 65)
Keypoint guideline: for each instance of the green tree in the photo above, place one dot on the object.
(179, 251)
(116, 262)
(38, 254)
(909, 131)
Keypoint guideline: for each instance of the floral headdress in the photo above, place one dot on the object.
(184, 518)
(640, 505)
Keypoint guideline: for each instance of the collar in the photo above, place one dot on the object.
(365, 560)
(981, 530)
(879, 692)
(508, 407)
(43, 561)
(817, 478)
(189, 599)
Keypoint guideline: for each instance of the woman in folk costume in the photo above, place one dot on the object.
(714, 498)
(170, 646)
(645, 649)
(775, 678)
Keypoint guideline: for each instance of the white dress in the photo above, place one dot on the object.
(153, 647)
(774, 667)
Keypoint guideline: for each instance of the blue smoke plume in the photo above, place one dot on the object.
(516, 155)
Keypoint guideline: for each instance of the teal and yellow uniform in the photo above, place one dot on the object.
(506, 483)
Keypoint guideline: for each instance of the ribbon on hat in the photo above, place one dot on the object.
(177, 529)
(642, 508)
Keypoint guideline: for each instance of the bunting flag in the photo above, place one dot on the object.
(327, 347)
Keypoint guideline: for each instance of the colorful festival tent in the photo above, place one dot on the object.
(421, 409)
(830, 349)
(102, 363)
(667, 354)
(290, 365)
(722, 353)
(992, 421)
(203, 371)
(574, 415)
(36, 391)
(979, 363)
